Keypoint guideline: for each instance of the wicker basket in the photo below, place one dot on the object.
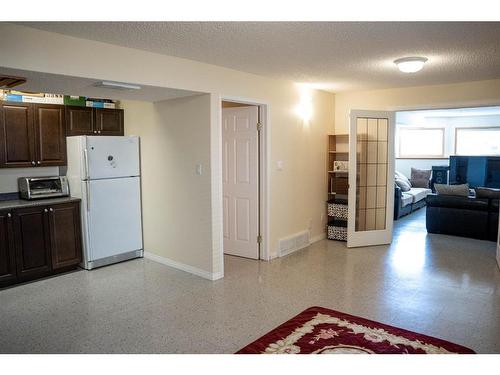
(337, 210)
(337, 233)
(337, 229)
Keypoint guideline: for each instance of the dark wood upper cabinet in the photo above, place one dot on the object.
(109, 121)
(50, 134)
(65, 235)
(17, 142)
(79, 121)
(32, 242)
(33, 134)
(7, 253)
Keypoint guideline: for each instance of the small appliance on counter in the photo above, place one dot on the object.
(43, 187)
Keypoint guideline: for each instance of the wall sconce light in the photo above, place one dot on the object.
(305, 108)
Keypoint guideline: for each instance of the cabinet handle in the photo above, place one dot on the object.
(9, 215)
(95, 131)
(99, 131)
(33, 162)
(45, 210)
(51, 209)
(38, 162)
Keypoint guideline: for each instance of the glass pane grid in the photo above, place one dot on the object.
(371, 173)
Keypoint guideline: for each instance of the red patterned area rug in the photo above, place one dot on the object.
(322, 331)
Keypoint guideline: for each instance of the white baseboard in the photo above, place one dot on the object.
(183, 267)
(322, 236)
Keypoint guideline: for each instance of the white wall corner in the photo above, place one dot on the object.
(183, 267)
(216, 184)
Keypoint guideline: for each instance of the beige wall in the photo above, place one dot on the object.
(297, 193)
(176, 201)
(424, 97)
(9, 176)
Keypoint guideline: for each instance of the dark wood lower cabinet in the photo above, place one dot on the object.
(39, 241)
(7, 251)
(65, 234)
(32, 242)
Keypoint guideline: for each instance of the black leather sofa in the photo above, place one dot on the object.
(462, 216)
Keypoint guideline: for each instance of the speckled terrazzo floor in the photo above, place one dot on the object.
(444, 286)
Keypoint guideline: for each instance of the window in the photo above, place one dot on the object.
(421, 143)
(477, 141)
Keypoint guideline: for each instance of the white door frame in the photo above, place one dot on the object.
(264, 143)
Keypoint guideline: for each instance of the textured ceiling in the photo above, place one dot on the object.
(336, 56)
(67, 85)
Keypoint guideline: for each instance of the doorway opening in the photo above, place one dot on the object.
(441, 149)
(243, 179)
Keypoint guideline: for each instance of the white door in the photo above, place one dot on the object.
(240, 174)
(111, 156)
(114, 216)
(371, 178)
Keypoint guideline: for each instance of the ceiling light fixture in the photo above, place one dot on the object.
(117, 85)
(410, 64)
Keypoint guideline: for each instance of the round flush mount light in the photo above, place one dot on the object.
(410, 64)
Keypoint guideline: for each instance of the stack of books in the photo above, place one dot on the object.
(31, 97)
(100, 103)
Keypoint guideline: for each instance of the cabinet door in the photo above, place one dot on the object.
(79, 121)
(65, 235)
(17, 146)
(50, 134)
(109, 121)
(7, 254)
(32, 242)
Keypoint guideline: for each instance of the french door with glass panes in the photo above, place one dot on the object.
(371, 178)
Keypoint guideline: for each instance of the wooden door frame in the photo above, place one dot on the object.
(264, 143)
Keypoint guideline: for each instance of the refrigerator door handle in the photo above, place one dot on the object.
(88, 195)
(86, 160)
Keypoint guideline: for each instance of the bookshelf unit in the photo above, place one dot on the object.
(338, 184)
(338, 150)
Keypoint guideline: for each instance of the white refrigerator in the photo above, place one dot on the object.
(104, 171)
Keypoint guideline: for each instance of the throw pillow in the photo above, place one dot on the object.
(482, 192)
(458, 190)
(404, 184)
(420, 177)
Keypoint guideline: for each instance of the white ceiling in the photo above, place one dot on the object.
(335, 56)
(68, 85)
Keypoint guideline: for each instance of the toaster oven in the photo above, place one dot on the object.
(43, 187)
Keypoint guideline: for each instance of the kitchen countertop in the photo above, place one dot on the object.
(20, 203)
